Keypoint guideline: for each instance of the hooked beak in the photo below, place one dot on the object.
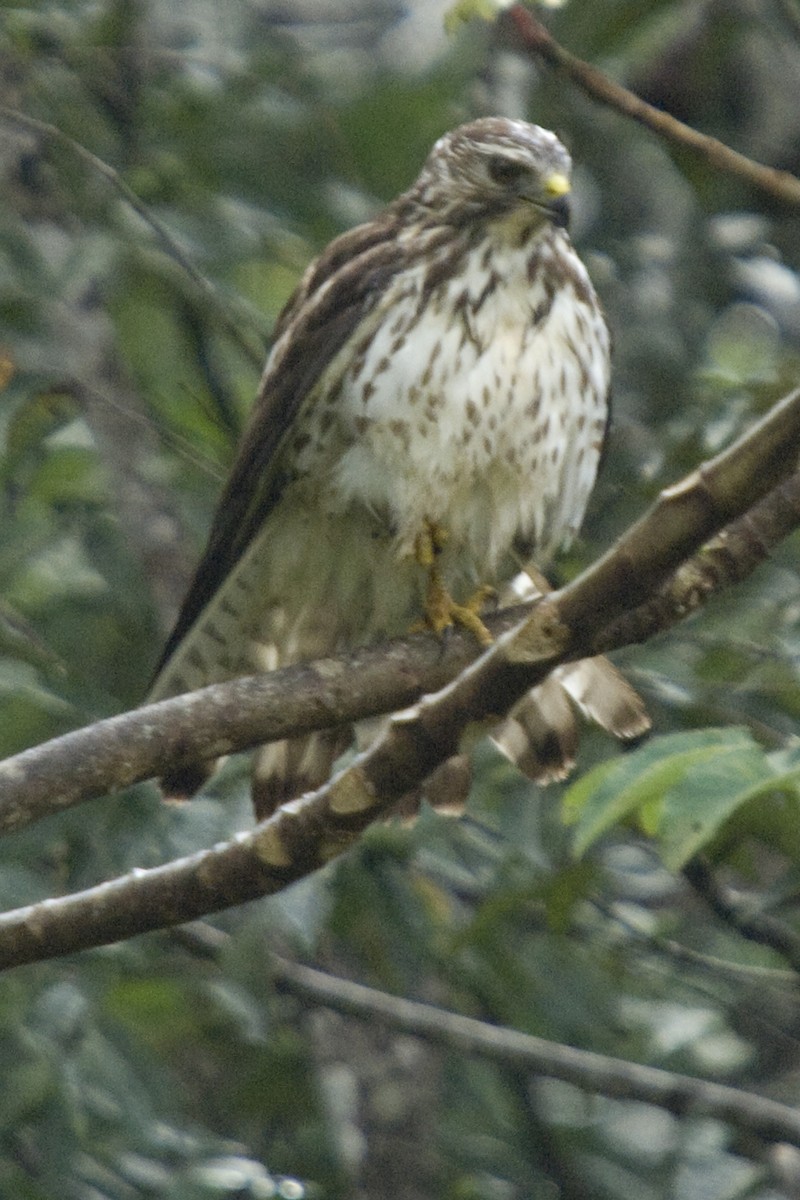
(556, 189)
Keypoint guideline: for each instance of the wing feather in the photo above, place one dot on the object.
(337, 292)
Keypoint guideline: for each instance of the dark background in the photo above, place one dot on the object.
(253, 132)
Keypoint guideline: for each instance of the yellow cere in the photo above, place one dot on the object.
(557, 185)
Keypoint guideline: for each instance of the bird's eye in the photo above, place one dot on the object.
(505, 171)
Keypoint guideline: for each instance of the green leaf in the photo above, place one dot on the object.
(768, 813)
(638, 782)
(708, 790)
(464, 11)
(695, 810)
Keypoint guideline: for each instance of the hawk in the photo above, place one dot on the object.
(431, 417)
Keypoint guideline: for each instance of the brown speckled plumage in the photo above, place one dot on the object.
(447, 362)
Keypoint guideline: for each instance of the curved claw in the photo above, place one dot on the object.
(441, 610)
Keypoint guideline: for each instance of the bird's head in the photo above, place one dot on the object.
(494, 168)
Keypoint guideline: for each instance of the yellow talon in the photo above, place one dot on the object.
(465, 616)
(441, 610)
(429, 543)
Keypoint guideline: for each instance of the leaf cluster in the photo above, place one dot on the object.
(173, 1066)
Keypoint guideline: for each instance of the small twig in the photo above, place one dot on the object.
(536, 40)
(53, 134)
(756, 926)
(538, 1055)
(584, 1069)
(709, 964)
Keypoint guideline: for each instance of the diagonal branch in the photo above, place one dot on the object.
(727, 558)
(614, 603)
(617, 601)
(306, 833)
(747, 1111)
(532, 36)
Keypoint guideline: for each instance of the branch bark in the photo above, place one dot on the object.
(621, 599)
(227, 717)
(308, 832)
(535, 40)
(584, 1069)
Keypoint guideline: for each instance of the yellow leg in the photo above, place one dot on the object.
(441, 610)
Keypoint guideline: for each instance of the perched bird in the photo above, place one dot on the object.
(431, 417)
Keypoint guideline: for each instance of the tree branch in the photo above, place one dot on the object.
(737, 913)
(616, 602)
(532, 36)
(309, 831)
(584, 1069)
(726, 559)
(237, 715)
(751, 974)
(227, 717)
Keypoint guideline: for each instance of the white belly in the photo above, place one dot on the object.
(490, 424)
(482, 409)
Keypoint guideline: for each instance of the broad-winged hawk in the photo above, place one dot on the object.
(431, 417)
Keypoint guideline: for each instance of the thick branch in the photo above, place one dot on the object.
(306, 833)
(583, 1068)
(537, 41)
(726, 559)
(227, 717)
(615, 602)
(719, 492)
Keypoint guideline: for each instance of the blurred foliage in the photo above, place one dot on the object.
(252, 132)
(696, 793)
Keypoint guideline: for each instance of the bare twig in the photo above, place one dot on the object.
(532, 36)
(740, 915)
(751, 974)
(584, 1069)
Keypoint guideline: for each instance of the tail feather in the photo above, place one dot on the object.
(183, 782)
(540, 734)
(284, 770)
(605, 697)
